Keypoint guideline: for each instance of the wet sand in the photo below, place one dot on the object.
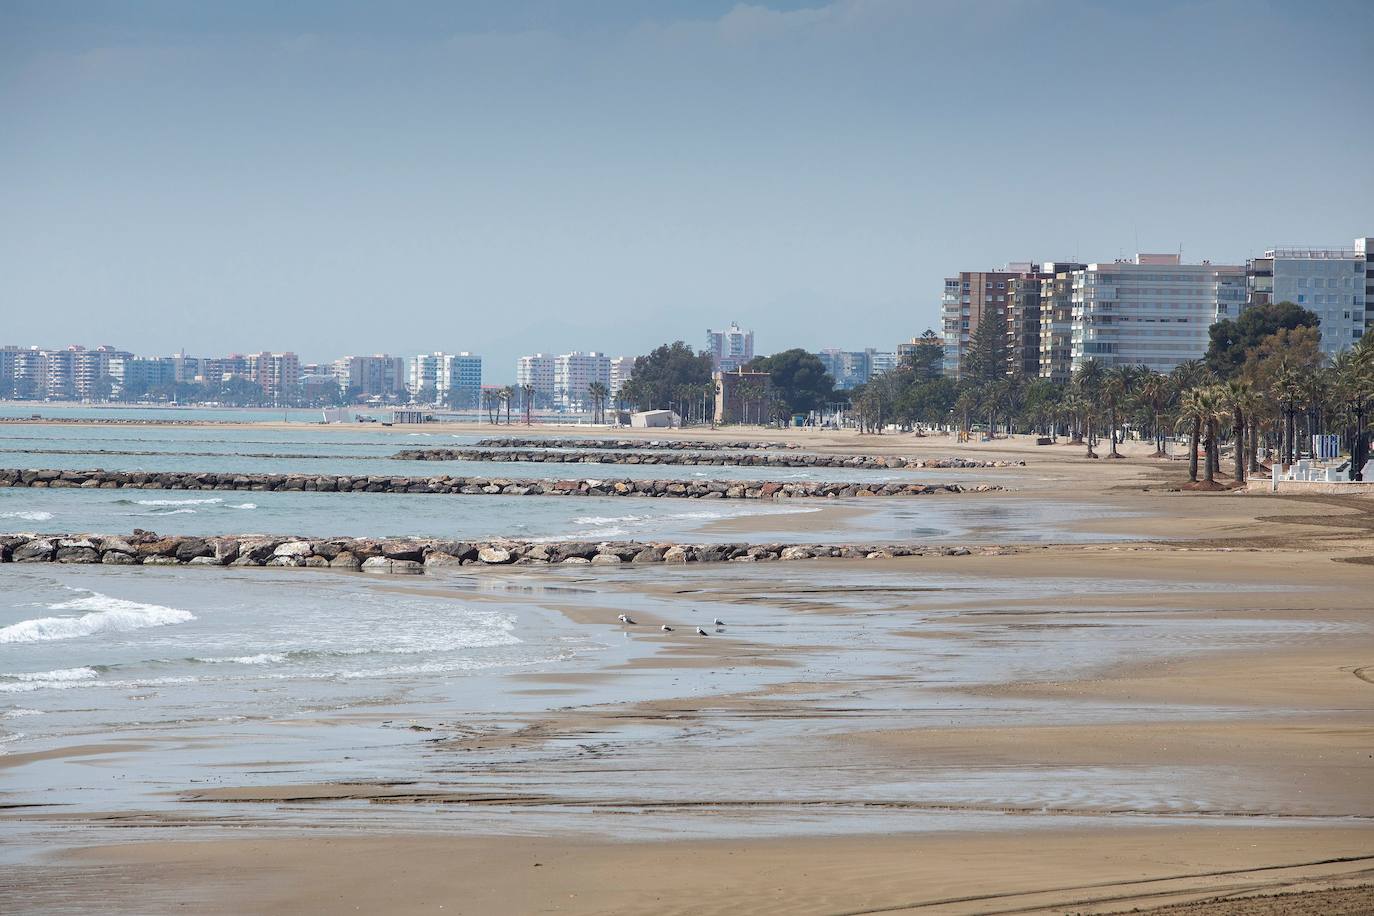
(1185, 715)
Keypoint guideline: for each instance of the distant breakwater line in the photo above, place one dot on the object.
(686, 445)
(716, 459)
(121, 421)
(414, 555)
(469, 486)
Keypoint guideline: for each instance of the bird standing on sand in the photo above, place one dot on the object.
(718, 622)
(701, 632)
(667, 629)
(624, 618)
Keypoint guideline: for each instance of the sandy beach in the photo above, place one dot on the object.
(1178, 714)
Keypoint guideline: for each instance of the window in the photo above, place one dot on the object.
(1302, 282)
(1301, 300)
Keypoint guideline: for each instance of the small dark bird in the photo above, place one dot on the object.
(701, 632)
(624, 618)
(718, 622)
(667, 629)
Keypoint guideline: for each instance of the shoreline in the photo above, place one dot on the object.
(1046, 728)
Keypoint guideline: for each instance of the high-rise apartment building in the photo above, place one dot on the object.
(1334, 283)
(850, 368)
(536, 372)
(379, 375)
(1056, 321)
(730, 349)
(573, 373)
(1023, 317)
(622, 370)
(276, 373)
(967, 298)
(1152, 311)
(455, 378)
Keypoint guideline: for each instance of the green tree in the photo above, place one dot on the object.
(1231, 340)
(799, 379)
(988, 355)
(658, 376)
(927, 359)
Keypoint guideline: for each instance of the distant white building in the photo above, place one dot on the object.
(622, 370)
(455, 378)
(856, 367)
(573, 373)
(379, 375)
(730, 349)
(1152, 311)
(1335, 283)
(536, 371)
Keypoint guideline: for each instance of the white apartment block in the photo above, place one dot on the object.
(371, 376)
(455, 378)
(573, 372)
(1332, 282)
(1151, 311)
(536, 371)
(730, 349)
(622, 370)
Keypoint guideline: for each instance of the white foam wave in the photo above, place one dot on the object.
(209, 501)
(175, 512)
(244, 506)
(107, 615)
(58, 674)
(28, 515)
(265, 658)
(20, 712)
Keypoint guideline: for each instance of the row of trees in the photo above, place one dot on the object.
(1263, 384)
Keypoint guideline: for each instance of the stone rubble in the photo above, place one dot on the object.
(359, 483)
(719, 459)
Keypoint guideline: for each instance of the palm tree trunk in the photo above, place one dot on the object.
(1111, 417)
(1240, 447)
(1209, 474)
(1089, 424)
(1193, 434)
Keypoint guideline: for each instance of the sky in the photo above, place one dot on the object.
(505, 177)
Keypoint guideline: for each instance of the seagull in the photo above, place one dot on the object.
(623, 618)
(666, 628)
(701, 632)
(718, 622)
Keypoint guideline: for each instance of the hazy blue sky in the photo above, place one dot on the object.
(505, 177)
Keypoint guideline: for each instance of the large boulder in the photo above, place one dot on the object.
(494, 555)
(403, 550)
(388, 565)
(297, 549)
(40, 550)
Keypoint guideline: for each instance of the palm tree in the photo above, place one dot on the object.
(1239, 399)
(597, 393)
(1288, 388)
(506, 395)
(1190, 416)
(1213, 414)
(527, 400)
(1117, 387)
(1155, 393)
(1088, 379)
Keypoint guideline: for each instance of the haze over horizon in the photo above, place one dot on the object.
(336, 178)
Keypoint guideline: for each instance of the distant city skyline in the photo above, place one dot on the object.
(505, 177)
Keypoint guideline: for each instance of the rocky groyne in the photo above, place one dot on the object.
(710, 459)
(470, 486)
(691, 445)
(413, 555)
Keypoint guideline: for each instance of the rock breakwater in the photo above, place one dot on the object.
(470, 486)
(715, 459)
(692, 445)
(413, 555)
